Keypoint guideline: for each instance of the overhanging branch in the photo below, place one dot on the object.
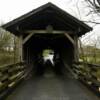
(91, 22)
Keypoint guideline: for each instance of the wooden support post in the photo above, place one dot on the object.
(76, 51)
(75, 45)
(28, 55)
(20, 48)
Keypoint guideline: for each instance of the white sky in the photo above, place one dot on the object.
(11, 9)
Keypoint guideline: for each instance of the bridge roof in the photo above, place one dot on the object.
(48, 14)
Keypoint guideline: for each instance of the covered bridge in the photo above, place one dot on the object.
(49, 27)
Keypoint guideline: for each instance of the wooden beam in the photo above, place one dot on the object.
(45, 31)
(70, 38)
(28, 37)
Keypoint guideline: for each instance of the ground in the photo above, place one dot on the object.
(52, 87)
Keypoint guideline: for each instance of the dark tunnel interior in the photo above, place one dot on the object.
(63, 52)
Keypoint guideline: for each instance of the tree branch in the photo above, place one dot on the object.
(95, 4)
(98, 2)
(91, 22)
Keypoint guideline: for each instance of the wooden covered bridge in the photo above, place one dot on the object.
(48, 27)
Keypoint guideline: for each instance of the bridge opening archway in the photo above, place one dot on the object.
(62, 47)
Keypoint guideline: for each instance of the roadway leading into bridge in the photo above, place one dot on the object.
(52, 87)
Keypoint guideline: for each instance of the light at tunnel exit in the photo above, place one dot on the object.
(48, 54)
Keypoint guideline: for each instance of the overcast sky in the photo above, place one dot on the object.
(11, 9)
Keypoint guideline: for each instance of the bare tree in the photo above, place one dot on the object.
(93, 12)
(95, 5)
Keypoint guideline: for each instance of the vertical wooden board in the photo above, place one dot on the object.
(76, 52)
(20, 48)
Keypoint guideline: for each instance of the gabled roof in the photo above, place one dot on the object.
(48, 14)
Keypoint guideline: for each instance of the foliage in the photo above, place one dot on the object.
(91, 54)
(8, 48)
(5, 39)
(47, 52)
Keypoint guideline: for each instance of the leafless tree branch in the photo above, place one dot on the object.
(91, 22)
(94, 4)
